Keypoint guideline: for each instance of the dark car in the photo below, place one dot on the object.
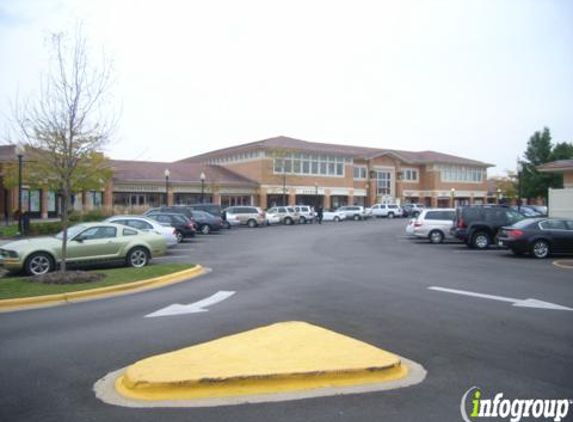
(477, 225)
(412, 210)
(184, 227)
(214, 209)
(177, 209)
(540, 237)
(206, 222)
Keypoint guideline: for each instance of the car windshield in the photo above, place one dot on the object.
(72, 231)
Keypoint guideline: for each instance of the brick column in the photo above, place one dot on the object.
(108, 197)
(217, 195)
(263, 198)
(44, 203)
(292, 197)
(434, 201)
(170, 195)
(350, 197)
(326, 199)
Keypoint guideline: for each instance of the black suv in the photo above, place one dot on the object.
(477, 225)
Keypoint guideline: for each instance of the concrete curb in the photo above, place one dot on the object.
(282, 361)
(105, 391)
(10, 305)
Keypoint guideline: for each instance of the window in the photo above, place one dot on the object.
(311, 164)
(360, 172)
(451, 173)
(553, 225)
(383, 179)
(99, 233)
(138, 224)
(410, 175)
(129, 232)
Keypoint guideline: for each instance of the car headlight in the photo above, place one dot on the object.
(5, 253)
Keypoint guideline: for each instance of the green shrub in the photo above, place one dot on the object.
(94, 215)
(43, 229)
(9, 231)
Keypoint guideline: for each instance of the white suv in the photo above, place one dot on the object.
(353, 212)
(386, 210)
(435, 224)
(306, 213)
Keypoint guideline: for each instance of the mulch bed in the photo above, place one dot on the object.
(68, 277)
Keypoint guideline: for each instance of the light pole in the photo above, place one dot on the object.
(453, 194)
(20, 150)
(498, 195)
(203, 177)
(519, 170)
(167, 174)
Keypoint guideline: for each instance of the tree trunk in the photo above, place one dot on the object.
(65, 223)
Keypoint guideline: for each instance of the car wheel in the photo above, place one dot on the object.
(137, 257)
(179, 236)
(391, 215)
(226, 225)
(302, 220)
(288, 221)
(540, 249)
(481, 240)
(337, 219)
(252, 223)
(206, 229)
(39, 263)
(356, 217)
(436, 236)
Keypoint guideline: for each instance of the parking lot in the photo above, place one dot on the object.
(444, 306)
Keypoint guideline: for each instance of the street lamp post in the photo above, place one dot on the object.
(203, 177)
(519, 170)
(167, 174)
(453, 194)
(20, 154)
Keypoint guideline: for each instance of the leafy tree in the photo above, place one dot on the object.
(64, 128)
(540, 150)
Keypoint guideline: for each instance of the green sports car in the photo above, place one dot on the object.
(88, 244)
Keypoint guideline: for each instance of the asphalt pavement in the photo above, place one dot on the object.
(366, 280)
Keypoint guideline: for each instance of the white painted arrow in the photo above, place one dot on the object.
(192, 308)
(522, 303)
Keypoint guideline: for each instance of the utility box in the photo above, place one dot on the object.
(560, 203)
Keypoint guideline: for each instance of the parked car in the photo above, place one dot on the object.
(410, 227)
(306, 213)
(477, 225)
(88, 244)
(412, 210)
(386, 210)
(214, 209)
(147, 224)
(539, 237)
(271, 219)
(354, 212)
(335, 216)
(184, 227)
(179, 209)
(206, 222)
(245, 215)
(526, 211)
(435, 224)
(286, 215)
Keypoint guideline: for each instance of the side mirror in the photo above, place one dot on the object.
(79, 239)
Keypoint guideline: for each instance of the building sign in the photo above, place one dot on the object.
(132, 188)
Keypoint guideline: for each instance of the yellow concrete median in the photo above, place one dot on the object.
(280, 358)
(137, 286)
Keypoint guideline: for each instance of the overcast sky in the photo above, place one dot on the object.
(470, 78)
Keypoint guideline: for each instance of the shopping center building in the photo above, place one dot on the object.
(276, 171)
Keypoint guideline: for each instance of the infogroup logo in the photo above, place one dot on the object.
(512, 409)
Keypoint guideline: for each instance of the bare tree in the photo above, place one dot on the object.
(64, 128)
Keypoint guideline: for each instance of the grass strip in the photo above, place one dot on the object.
(11, 288)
